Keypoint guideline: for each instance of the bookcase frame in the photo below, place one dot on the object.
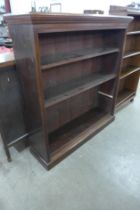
(68, 66)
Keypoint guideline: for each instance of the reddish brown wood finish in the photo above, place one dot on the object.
(69, 67)
(130, 68)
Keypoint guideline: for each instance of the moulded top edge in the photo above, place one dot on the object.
(44, 18)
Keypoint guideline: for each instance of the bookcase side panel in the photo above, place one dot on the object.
(25, 54)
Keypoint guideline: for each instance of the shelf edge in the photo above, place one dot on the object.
(131, 54)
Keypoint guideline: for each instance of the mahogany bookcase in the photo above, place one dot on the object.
(68, 67)
(130, 68)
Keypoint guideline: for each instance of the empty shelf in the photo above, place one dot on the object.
(66, 91)
(129, 70)
(124, 95)
(75, 56)
(74, 132)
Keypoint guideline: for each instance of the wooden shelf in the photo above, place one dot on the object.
(128, 71)
(71, 133)
(75, 56)
(124, 96)
(78, 86)
(131, 53)
(133, 33)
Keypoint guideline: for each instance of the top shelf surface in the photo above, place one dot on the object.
(75, 56)
(53, 18)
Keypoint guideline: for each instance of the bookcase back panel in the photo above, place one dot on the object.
(135, 24)
(133, 43)
(132, 81)
(129, 83)
(106, 92)
(137, 41)
(74, 129)
(107, 66)
(55, 43)
(108, 87)
(67, 77)
(136, 60)
(133, 62)
(57, 46)
(91, 107)
(61, 79)
(62, 113)
(111, 38)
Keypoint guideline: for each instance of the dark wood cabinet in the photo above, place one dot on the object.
(130, 68)
(68, 67)
(12, 127)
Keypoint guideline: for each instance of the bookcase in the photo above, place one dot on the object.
(130, 68)
(68, 66)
